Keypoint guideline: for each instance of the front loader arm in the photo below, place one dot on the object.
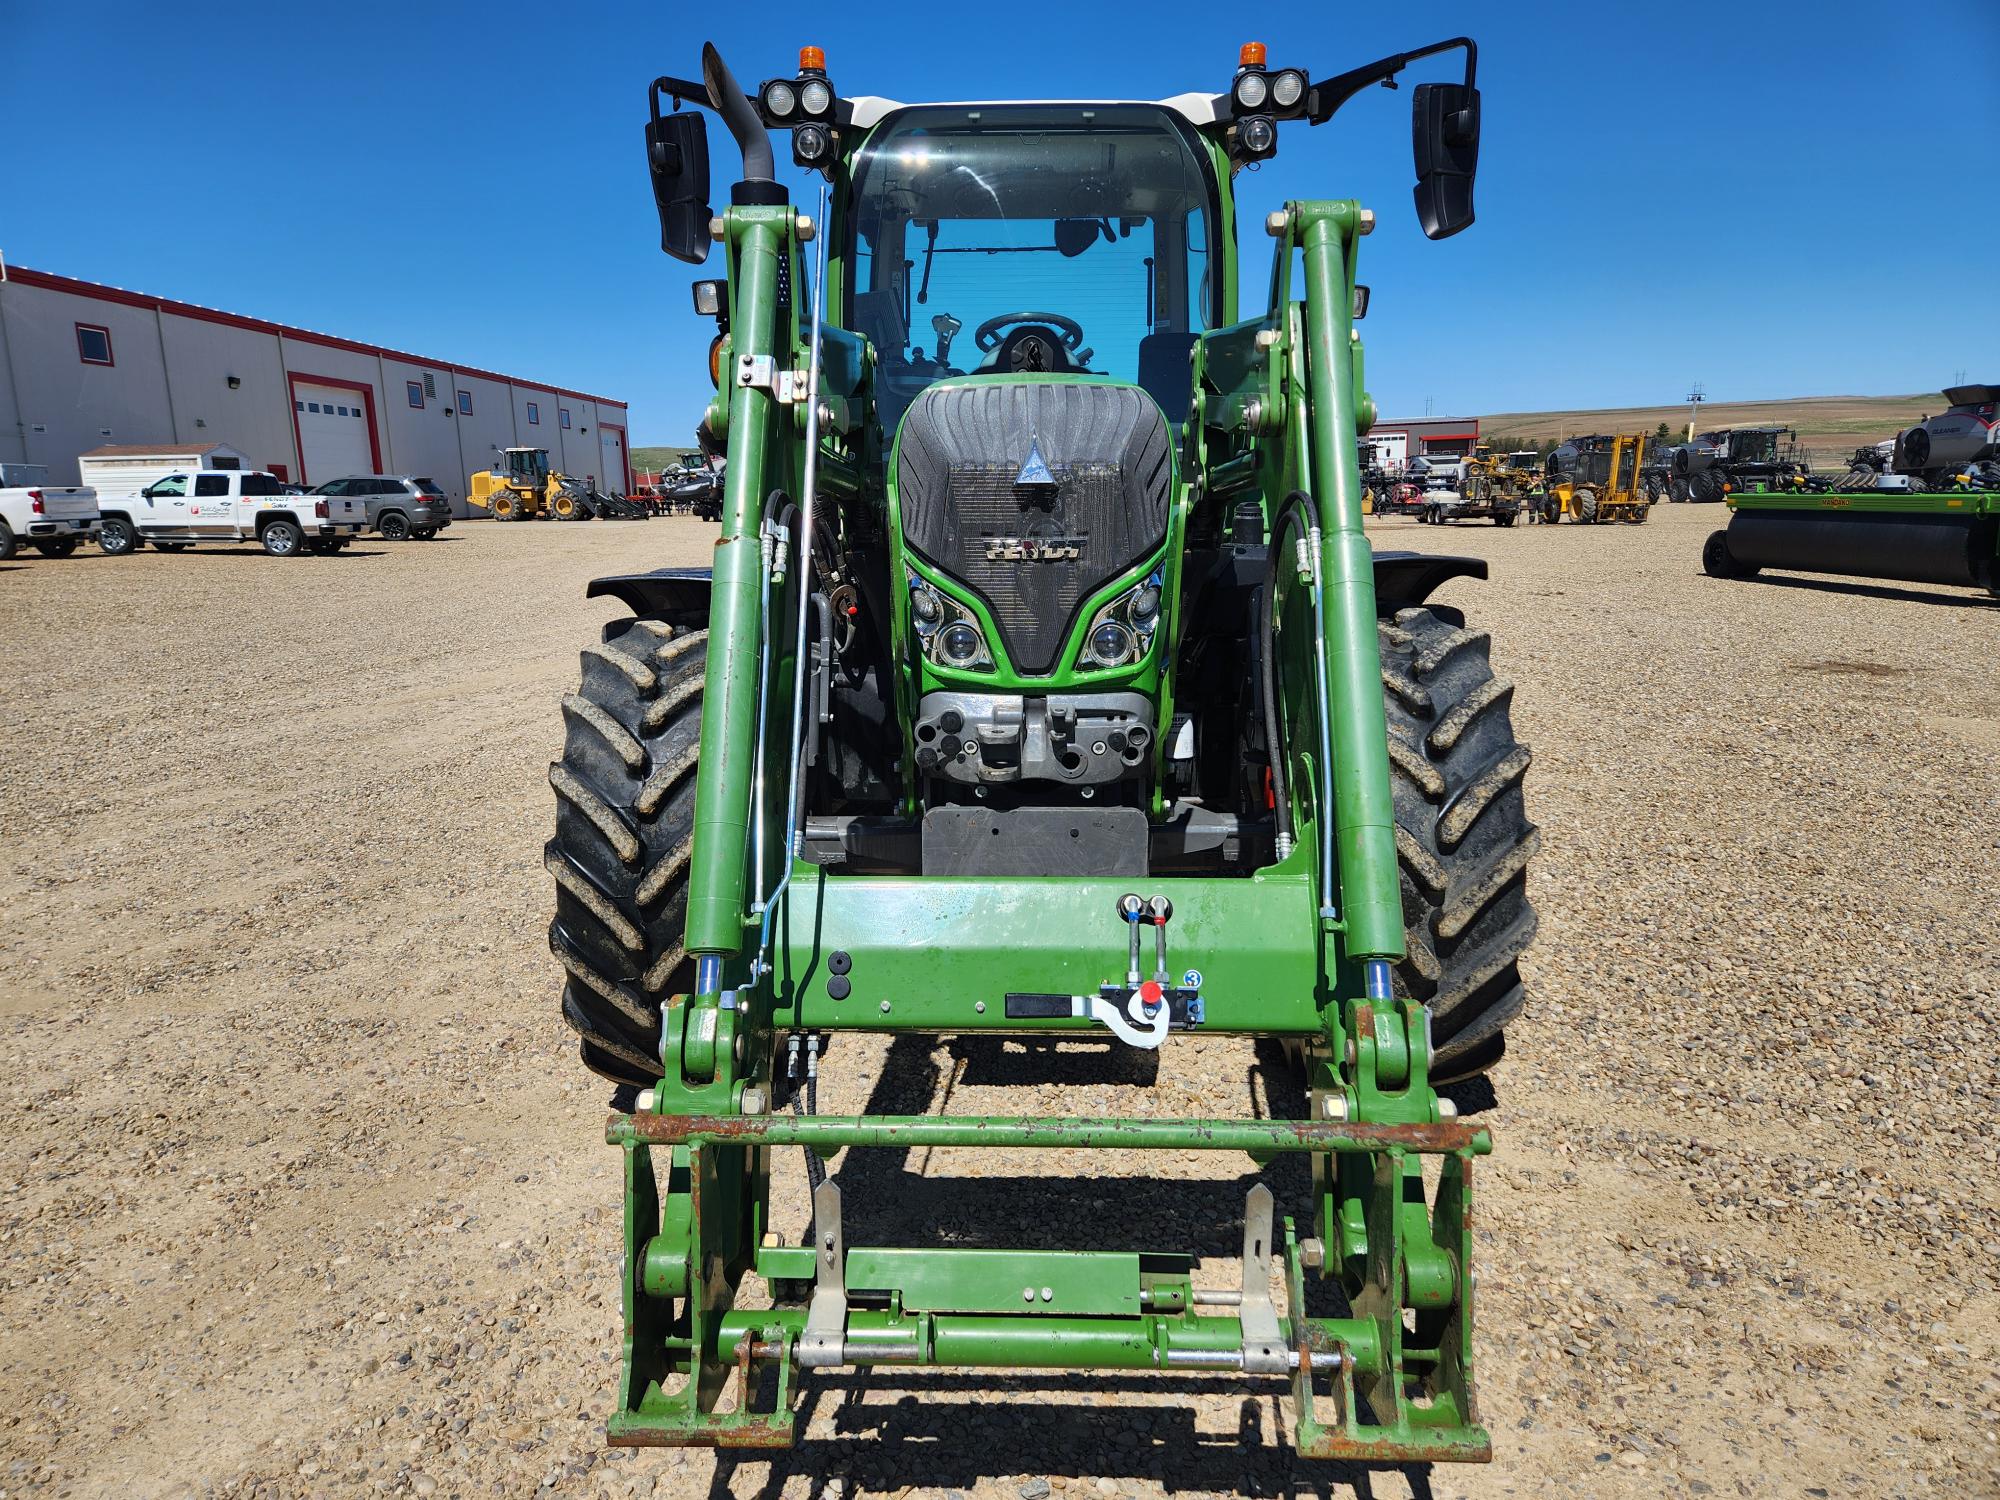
(1365, 822)
(761, 244)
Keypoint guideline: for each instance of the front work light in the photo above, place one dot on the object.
(780, 99)
(812, 146)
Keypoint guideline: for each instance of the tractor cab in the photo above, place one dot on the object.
(1033, 240)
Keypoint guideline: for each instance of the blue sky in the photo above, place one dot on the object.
(1771, 199)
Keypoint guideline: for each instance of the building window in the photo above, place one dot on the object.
(416, 394)
(563, 413)
(465, 403)
(93, 344)
(534, 414)
(298, 406)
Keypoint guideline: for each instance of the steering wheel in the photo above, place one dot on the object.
(987, 337)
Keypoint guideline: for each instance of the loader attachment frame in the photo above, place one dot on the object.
(787, 951)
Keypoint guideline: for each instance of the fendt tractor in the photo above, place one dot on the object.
(1044, 687)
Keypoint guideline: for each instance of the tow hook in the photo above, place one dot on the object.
(1139, 1012)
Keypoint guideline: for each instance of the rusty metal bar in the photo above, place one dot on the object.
(831, 1132)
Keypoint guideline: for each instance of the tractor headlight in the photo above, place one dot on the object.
(816, 98)
(1288, 88)
(780, 99)
(947, 632)
(1252, 89)
(1121, 633)
(1111, 644)
(1258, 135)
(959, 643)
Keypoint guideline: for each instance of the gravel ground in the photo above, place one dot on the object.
(304, 1192)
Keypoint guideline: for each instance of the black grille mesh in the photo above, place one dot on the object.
(960, 451)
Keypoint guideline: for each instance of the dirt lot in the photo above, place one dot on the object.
(302, 1192)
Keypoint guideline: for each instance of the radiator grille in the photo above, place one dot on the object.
(1033, 553)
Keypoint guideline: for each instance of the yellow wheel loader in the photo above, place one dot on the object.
(522, 487)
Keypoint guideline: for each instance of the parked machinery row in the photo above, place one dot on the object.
(523, 487)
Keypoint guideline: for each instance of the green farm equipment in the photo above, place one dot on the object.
(1949, 537)
(1043, 686)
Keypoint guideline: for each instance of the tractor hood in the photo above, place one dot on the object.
(1034, 495)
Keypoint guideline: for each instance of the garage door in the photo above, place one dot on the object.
(333, 432)
(612, 475)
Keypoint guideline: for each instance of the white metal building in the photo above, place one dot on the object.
(1398, 441)
(83, 366)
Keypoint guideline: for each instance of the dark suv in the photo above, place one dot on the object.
(400, 506)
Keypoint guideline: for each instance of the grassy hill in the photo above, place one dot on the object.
(1835, 425)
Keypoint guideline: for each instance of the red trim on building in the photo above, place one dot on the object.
(48, 281)
(624, 452)
(110, 357)
(295, 377)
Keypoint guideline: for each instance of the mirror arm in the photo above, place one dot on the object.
(1329, 94)
(680, 90)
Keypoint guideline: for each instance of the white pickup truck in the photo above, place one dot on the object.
(202, 506)
(53, 519)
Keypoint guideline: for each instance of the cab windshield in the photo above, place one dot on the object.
(1031, 239)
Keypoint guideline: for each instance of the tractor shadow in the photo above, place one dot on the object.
(898, 1429)
(889, 1199)
(965, 1429)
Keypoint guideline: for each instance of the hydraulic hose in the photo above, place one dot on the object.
(1281, 792)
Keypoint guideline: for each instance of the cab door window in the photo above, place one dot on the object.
(173, 487)
(206, 485)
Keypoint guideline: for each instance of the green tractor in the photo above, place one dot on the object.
(1043, 686)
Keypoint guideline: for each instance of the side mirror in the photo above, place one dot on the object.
(1360, 309)
(1445, 139)
(677, 159)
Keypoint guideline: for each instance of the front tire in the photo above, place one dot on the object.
(625, 803)
(116, 538)
(283, 539)
(1463, 839)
